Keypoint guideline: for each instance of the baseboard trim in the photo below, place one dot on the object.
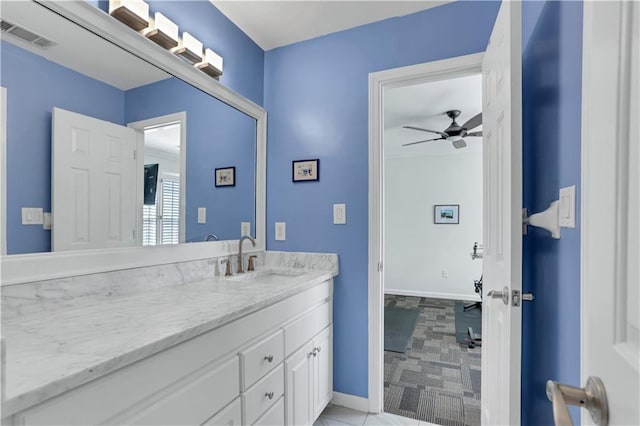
(350, 401)
(433, 295)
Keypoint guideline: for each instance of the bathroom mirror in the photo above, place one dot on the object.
(153, 180)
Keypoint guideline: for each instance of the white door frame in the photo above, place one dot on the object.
(3, 172)
(431, 71)
(609, 144)
(140, 127)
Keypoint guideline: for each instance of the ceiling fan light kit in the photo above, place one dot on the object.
(455, 133)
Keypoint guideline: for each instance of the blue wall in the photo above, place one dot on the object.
(243, 58)
(316, 93)
(552, 71)
(217, 136)
(34, 86)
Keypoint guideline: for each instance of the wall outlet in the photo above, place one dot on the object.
(245, 228)
(281, 231)
(445, 273)
(202, 215)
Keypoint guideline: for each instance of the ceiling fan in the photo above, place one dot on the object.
(455, 132)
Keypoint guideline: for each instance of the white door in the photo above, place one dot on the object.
(610, 205)
(502, 265)
(93, 183)
(322, 371)
(299, 398)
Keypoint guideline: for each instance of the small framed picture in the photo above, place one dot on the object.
(446, 214)
(226, 176)
(306, 170)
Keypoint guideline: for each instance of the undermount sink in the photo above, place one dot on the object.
(266, 276)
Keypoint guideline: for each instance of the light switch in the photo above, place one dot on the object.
(567, 207)
(47, 222)
(281, 231)
(245, 228)
(339, 214)
(32, 216)
(202, 215)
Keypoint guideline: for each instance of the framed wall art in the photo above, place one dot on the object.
(305, 170)
(446, 214)
(226, 176)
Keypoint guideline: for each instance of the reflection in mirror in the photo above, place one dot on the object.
(119, 151)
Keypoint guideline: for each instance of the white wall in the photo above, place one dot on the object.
(416, 249)
(168, 163)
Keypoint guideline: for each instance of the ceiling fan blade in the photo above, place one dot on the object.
(444, 135)
(426, 140)
(459, 143)
(473, 122)
(474, 133)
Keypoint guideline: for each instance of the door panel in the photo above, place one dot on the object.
(323, 370)
(502, 264)
(299, 390)
(611, 205)
(93, 190)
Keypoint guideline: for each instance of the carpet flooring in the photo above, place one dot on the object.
(436, 380)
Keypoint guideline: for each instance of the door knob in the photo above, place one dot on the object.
(504, 295)
(593, 397)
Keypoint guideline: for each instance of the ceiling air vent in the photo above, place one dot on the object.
(26, 35)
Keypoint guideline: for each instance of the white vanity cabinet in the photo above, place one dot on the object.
(309, 377)
(247, 371)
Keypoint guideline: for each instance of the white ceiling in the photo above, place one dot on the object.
(79, 49)
(424, 105)
(273, 24)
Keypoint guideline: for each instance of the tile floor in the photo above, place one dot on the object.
(335, 415)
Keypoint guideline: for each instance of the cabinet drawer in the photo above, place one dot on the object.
(301, 330)
(273, 417)
(197, 401)
(261, 358)
(263, 395)
(231, 415)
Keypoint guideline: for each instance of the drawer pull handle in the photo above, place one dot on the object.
(269, 358)
(269, 395)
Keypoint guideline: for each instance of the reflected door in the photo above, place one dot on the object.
(93, 191)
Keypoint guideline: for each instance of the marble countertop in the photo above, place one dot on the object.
(49, 353)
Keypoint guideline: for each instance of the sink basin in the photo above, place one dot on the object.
(266, 276)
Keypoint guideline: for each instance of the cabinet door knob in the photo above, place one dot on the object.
(318, 348)
(269, 358)
(269, 395)
(314, 352)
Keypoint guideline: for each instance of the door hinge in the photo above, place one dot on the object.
(133, 234)
(135, 154)
(379, 266)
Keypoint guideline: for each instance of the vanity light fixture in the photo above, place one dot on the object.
(133, 13)
(212, 64)
(162, 32)
(190, 49)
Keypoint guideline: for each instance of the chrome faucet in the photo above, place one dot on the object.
(244, 237)
(211, 237)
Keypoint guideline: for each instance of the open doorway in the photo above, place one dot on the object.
(432, 221)
(162, 167)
